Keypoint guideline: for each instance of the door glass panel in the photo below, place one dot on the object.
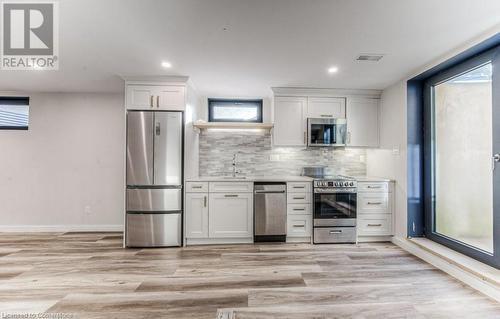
(463, 158)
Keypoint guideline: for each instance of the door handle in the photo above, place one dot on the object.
(151, 101)
(157, 101)
(495, 160)
(158, 129)
(204, 201)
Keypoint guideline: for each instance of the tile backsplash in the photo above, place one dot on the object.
(256, 157)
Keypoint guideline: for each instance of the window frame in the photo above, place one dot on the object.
(16, 100)
(491, 55)
(213, 101)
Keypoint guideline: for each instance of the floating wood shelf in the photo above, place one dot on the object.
(202, 125)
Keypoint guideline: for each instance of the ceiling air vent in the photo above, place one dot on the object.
(370, 57)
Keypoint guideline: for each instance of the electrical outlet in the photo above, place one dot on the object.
(87, 210)
(395, 150)
(274, 157)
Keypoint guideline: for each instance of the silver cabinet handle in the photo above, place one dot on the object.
(348, 137)
(299, 209)
(374, 203)
(374, 225)
(151, 101)
(230, 195)
(496, 159)
(204, 201)
(157, 101)
(196, 186)
(299, 198)
(299, 187)
(301, 226)
(335, 231)
(326, 115)
(374, 186)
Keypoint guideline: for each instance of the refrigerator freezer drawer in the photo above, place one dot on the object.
(153, 230)
(154, 200)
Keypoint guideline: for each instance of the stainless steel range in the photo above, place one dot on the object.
(334, 210)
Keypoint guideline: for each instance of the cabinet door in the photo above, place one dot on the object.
(290, 121)
(170, 98)
(140, 97)
(362, 122)
(196, 215)
(230, 215)
(327, 107)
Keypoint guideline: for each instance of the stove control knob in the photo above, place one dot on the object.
(351, 184)
(346, 184)
(337, 184)
(324, 183)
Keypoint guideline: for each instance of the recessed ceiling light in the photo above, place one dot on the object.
(333, 69)
(166, 64)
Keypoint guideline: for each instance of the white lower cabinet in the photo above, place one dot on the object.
(196, 215)
(299, 225)
(230, 215)
(375, 210)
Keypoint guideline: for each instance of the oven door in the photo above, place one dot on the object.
(326, 132)
(334, 209)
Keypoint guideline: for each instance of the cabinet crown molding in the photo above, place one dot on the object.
(156, 80)
(326, 92)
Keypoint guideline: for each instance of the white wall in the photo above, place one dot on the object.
(390, 160)
(67, 171)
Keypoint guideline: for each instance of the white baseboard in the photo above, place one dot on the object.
(453, 270)
(59, 228)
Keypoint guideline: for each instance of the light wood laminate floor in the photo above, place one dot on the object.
(89, 275)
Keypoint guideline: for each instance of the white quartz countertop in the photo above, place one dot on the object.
(269, 178)
(372, 179)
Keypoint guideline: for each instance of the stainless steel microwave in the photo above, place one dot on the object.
(324, 132)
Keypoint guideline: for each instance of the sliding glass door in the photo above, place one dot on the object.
(462, 133)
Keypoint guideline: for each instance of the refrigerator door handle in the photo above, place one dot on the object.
(158, 129)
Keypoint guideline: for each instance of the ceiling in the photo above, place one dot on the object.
(244, 47)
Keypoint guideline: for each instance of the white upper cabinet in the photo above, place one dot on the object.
(140, 96)
(362, 122)
(290, 121)
(326, 107)
(156, 97)
(171, 97)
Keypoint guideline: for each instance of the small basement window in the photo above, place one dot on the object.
(229, 110)
(14, 113)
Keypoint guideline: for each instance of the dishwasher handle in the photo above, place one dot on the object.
(270, 192)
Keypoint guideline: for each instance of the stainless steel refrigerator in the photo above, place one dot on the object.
(154, 179)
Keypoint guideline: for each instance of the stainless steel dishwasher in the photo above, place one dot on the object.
(269, 212)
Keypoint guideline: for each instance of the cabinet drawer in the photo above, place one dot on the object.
(298, 187)
(298, 198)
(299, 209)
(376, 202)
(299, 225)
(375, 224)
(230, 187)
(197, 187)
(373, 187)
